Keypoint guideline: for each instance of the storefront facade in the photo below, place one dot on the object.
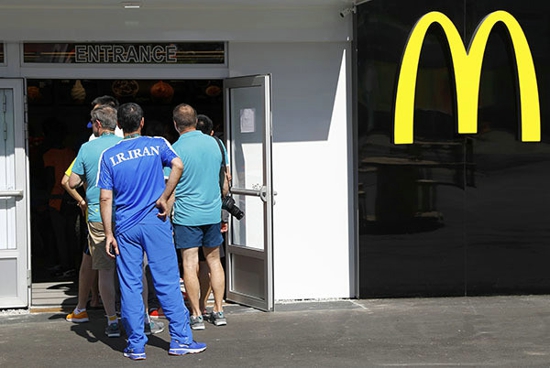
(305, 49)
(364, 195)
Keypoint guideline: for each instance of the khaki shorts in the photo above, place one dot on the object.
(96, 242)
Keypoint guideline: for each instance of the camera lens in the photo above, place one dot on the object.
(228, 204)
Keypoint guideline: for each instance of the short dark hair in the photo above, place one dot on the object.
(129, 116)
(184, 116)
(204, 124)
(105, 100)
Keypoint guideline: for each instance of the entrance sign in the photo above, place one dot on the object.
(120, 53)
(125, 53)
(467, 66)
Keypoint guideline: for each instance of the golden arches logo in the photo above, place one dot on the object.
(467, 73)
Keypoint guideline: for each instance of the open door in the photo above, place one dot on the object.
(14, 202)
(249, 252)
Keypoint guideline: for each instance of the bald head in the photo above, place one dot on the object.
(185, 117)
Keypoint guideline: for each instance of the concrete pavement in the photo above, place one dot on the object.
(508, 331)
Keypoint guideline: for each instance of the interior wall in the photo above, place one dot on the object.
(310, 165)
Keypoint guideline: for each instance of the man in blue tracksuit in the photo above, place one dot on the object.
(131, 179)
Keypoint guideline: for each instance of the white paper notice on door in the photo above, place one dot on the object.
(248, 120)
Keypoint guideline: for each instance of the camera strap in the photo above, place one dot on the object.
(223, 168)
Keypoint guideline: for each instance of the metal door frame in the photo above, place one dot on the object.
(21, 252)
(263, 302)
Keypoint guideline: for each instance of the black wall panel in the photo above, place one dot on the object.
(450, 214)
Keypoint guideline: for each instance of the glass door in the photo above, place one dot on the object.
(249, 253)
(14, 203)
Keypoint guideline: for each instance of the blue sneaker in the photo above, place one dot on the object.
(135, 354)
(181, 349)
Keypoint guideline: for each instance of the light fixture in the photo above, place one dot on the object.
(131, 5)
(353, 8)
(344, 13)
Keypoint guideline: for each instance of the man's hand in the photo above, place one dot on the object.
(162, 205)
(111, 246)
(175, 174)
(83, 205)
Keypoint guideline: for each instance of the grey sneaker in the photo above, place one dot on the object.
(112, 330)
(154, 327)
(196, 322)
(218, 318)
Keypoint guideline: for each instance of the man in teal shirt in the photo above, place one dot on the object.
(197, 212)
(85, 169)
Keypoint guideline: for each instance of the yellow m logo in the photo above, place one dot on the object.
(467, 73)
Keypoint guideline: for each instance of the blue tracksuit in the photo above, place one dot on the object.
(133, 170)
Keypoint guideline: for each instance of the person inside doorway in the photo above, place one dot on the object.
(206, 126)
(57, 159)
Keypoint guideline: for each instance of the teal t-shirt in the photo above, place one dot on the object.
(87, 165)
(198, 200)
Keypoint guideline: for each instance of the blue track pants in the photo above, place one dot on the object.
(154, 237)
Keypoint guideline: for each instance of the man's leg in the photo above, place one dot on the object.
(217, 276)
(211, 248)
(106, 275)
(94, 301)
(163, 264)
(151, 327)
(205, 288)
(190, 257)
(85, 281)
(107, 290)
(130, 273)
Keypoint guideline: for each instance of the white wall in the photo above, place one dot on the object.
(307, 51)
(310, 163)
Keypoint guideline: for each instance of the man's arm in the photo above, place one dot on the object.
(106, 210)
(173, 179)
(80, 202)
(75, 181)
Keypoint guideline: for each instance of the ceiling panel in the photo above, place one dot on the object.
(163, 4)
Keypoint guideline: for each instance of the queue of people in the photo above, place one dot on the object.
(144, 200)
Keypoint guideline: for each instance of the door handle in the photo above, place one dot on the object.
(262, 192)
(11, 193)
(250, 192)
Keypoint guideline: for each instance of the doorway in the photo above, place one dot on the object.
(58, 114)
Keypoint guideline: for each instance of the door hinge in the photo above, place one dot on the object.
(5, 125)
(29, 278)
(26, 116)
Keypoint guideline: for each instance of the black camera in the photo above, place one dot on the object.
(228, 204)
